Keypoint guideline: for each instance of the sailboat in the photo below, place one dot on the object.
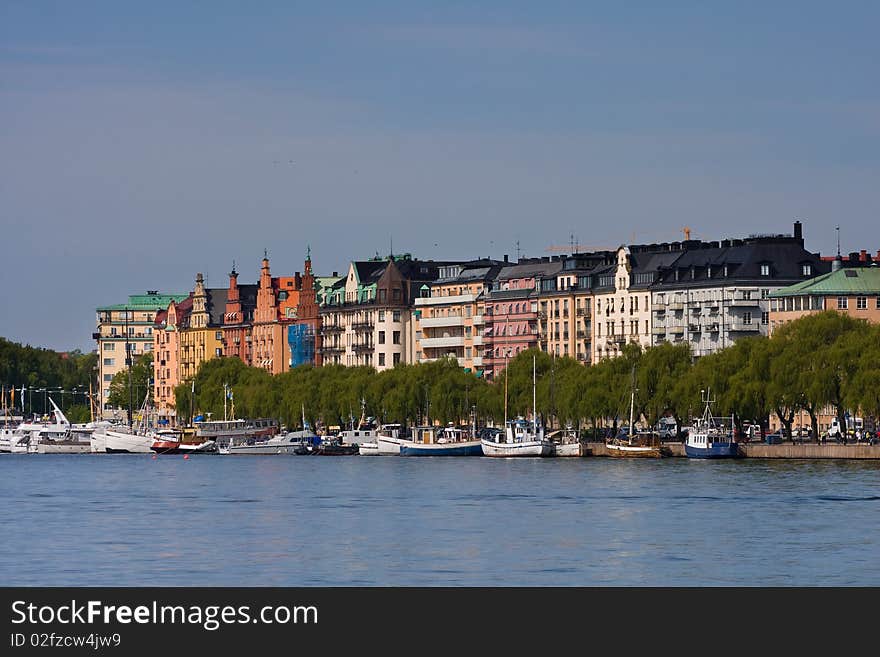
(642, 445)
(521, 437)
(134, 439)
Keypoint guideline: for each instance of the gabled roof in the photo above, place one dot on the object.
(843, 282)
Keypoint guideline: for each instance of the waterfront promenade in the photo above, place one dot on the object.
(764, 451)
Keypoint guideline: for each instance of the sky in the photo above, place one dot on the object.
(141, 143)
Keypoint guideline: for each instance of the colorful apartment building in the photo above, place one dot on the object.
(367, 319)
(130, 324)
(166, 351)
(238, 317)
(201, 331)
(449, 317)
(512, 311)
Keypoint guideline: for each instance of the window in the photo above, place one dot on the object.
(765, 318)
(395, 338)
(109, 361)
(148, 346)
(381, 337)
(765, 270)
(861, 303)
(218, 335)
(381, 358)
(108, 377)
(395, 294)
(807, 270)
(395, 358)
(747, 318)
(841, 303)
(467, 331)
(395, 316)
(381, 315)
(878, 303)
(110, 346)
(765, 293)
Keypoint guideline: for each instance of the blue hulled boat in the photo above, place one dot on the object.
(708, 439)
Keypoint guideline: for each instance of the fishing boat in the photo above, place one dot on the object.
(449, 441)
(645, 444)
(709, 439)
(521, 437)
(566, 442)
(390, 439)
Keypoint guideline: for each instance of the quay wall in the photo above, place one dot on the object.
(765, 451)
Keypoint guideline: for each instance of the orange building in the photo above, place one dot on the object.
(166, 350)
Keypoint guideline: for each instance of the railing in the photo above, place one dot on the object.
(676, 306)
(331, 328)
(360, 348)
(581, 334)
(362, 326)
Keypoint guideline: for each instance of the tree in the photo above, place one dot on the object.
(141, 383)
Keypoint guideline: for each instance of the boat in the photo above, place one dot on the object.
(170, 441)
(390, 439)
(521, 437)
(32, 434)
(281, 444)
(330, 446)
(566, 442)
(128, 441)
(645, 444)
(235, 432)
(368, 449)
(448, 441)
(708, 439)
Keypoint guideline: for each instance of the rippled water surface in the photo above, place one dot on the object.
(361, 521)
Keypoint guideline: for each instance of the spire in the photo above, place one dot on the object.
(838, 261)
(308, 252)
(233, 273)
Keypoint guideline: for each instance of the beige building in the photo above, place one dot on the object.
(449, 317)
(124, 324)
(622, 308)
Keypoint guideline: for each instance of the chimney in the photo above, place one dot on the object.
(798, 231)
(336, 274)
(863, 255)
(505, 257)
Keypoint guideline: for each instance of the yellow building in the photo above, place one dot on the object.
(201, 334)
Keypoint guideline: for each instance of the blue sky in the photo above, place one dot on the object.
(140, 144)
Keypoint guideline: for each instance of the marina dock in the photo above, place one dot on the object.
(757, 450)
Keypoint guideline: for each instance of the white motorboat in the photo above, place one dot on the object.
(128, 441)
(281, 444)
(368, 449)
(566, 442)
(389, 440)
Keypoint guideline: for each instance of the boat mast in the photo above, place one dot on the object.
(128, 364)
(534, 398)
(632, 402)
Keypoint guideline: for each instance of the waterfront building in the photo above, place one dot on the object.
(238, 317)
(565, 306)
(710, 294)
(128, 323)
(449, 314)
(277, 299)
(201, 331)
(303, 335)
(854, 291)
(622, 300)
(367, 319)
(511, 311)
(166, 351)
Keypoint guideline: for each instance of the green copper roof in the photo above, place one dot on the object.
(862, 280)
(146, 302)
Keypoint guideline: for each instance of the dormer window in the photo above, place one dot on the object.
(725, 271)
(806, 270)
(708, 272)
(765, 270)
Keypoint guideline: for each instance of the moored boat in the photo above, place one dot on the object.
(645, 444)
(390, 439)
(566, 442)
(707, 439)
(368, 449)
(280, 444)
(449, 441)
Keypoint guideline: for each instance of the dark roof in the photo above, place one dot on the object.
(216, 305)
(502, 295)
(369, 271)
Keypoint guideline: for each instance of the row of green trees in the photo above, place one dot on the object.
(48, 372)
(823, 360)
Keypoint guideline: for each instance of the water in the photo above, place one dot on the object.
(129, 520)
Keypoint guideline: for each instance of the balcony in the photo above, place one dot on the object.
(478, 361)
(432, 322)
(742, 326)
(676, 330)
(454, 341)
(331, 328)
(580, 312)
(676, 306)
(362, 326)
(335, 349)
(658, 330)
(694, 328)
(617, 338)
(479, 320)
(478, 340)
(96, 336)
(363, 347)
(581, 334)
(739, 302)
(582, 357)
